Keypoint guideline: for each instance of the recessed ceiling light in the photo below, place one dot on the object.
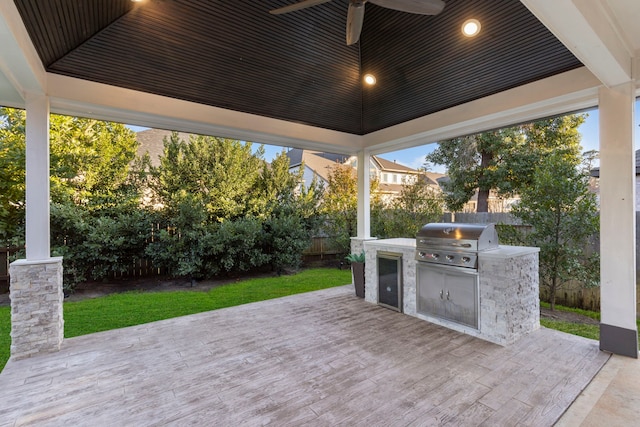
(471, 27)
(370, 79)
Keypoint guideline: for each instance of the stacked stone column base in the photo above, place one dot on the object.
(37, 324)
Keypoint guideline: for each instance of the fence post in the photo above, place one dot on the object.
(4, 270)
(5, 256)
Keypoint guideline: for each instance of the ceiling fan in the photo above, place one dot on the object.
(355, 15)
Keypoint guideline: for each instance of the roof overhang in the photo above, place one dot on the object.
(609, 52)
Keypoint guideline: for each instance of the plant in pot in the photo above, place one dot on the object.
(357, 271)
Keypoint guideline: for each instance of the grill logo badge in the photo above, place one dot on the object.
(447, 230)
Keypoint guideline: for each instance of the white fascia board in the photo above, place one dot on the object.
(9, 96)
(589, 31)
(19, 62)
(571, 91)
(84, 98)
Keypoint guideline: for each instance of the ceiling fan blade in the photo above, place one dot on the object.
(355, 18)
(420, 7)
(297, 6)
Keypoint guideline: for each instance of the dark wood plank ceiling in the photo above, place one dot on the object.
(296, 67)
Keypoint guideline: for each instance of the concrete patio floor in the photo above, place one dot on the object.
(321, 358)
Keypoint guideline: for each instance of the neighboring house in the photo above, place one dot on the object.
(496, 203)
(594, 184)
(390, 175)
(316, 164)
(151, 141)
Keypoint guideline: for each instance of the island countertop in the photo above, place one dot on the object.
(502, 251)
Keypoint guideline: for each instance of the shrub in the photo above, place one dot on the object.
(285, 240)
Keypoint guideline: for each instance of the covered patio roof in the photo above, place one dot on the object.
(297, 67)
(232, 69)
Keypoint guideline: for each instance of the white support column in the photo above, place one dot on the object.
(37, 178)
(618, 330)
(37, 324)
(364, 210)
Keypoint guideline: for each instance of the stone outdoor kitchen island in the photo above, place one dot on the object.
(506, 293)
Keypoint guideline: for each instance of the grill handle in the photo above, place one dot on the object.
(453, 244)
(461, 245)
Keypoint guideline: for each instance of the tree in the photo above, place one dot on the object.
(90, 165)
(223, 172)
(12, 169)
(227, 210)
(501, 160)
(340, 205)
(96, 244)
(563, 214)
(416, 205)
(91, 161)
(276, 182)
(293, 214)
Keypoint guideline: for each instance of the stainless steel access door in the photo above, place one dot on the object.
(448, 292)
(390, 280)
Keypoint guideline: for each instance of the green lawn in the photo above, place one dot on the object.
(133, 308)
(588, 331)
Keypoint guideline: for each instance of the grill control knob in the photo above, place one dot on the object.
(422, 254)
(466, 259)
(450, 257)
(435, 256)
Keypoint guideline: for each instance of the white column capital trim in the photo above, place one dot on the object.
(26, 262)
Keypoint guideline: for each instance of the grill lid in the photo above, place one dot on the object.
(470, 237)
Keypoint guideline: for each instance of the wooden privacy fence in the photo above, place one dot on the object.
(319, 250)
(482, 218)
(574, 295)
(586, 298)
(5, 257)
(320, 246)
(139, 269)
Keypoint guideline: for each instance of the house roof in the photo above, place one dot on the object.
(320, 163)
(297, 67)
(389, 166)
(390, 188)
(434, 177)
(152, 141)
(297, 156)
(595, 172)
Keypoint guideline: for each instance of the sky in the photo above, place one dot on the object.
(414, 157)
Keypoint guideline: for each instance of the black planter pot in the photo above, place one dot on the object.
(357, 270)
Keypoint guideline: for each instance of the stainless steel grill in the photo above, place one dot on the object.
(455, 244)
(447, 271)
